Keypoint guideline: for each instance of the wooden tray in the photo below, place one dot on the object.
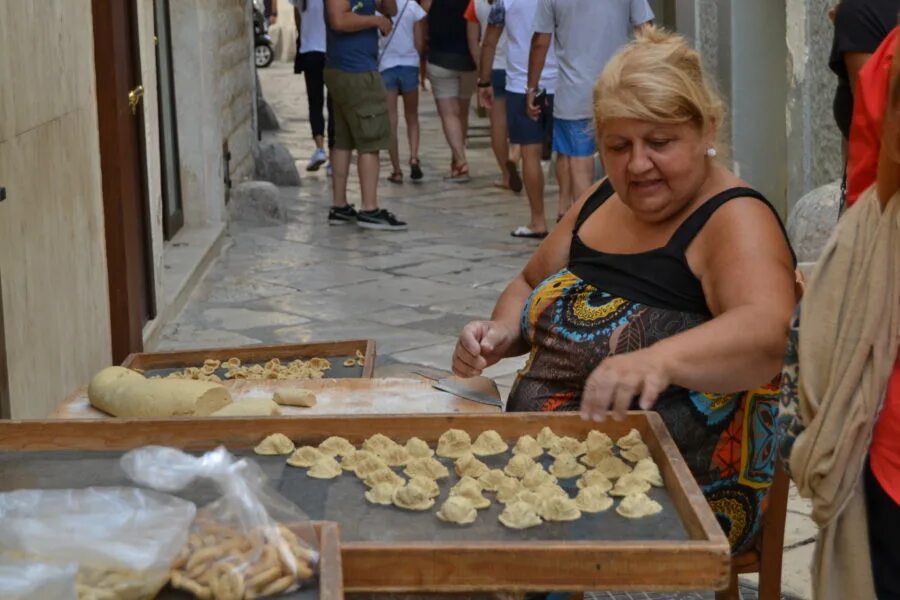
(701, 561)
(333, 397)
(336, 352)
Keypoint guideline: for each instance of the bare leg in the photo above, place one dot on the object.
(340, 165)
(515, 153)
(500, 138)
(564, 178)
(367, 168)
(582, 170)
(320, 141)
(451, 122)
(464, 105)
(534, 185)
(394, 149)
(411, 112)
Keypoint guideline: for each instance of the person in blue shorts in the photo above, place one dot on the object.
(398, 61)
(584, 34)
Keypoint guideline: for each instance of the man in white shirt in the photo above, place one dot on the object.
(516, 18)
(585, 34)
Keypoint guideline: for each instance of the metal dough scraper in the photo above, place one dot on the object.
(477, 389)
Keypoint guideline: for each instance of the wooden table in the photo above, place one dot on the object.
(333, 396)
(699, 559)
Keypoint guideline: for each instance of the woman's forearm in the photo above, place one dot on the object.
(508, 312)
(740, 349)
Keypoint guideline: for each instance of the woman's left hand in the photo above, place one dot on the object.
(618, 380)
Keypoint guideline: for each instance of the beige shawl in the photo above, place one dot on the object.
(848, 343)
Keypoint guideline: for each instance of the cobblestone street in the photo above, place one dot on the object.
(410, 291)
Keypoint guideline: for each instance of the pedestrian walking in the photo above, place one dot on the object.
(585, 35)
(451, 71)
(360, 107)
(507, 156)
(309, 16)
(400, 53)
(516, 18)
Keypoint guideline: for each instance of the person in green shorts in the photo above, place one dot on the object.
(360, 106)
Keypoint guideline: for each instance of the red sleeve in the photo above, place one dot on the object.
(869, 105)
(470, 12)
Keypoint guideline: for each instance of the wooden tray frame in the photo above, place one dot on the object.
(331, 573)
(700, 563)
(258, 353)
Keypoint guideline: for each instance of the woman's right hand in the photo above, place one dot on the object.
(480, 345)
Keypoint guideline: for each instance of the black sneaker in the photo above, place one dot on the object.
(379, 219)
(342, 215)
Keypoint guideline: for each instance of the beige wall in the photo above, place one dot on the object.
(235, 74)
(52, 249)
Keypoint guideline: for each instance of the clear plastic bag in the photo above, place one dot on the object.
(250, 543)
(21, 580)
(122, 539)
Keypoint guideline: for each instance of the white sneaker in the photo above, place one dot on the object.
(328, 169)
(318, 159)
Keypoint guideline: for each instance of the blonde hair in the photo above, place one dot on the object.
(659, 78)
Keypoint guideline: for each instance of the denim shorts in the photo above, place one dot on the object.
(522, 128)
(498, 82)
(574, 137)
(401, 79)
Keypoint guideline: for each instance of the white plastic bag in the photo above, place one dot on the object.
(21, 580)
(250, 542)
(122, 539)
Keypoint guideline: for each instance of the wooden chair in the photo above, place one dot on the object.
(765, 559)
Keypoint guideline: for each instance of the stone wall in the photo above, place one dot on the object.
(235, 76)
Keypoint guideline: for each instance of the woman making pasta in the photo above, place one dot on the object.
(669, 287)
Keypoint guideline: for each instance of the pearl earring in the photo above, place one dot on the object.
(711, 152)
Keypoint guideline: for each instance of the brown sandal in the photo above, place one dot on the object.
(396, 177)
(459, 173)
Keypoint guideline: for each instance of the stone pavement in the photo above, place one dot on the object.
(410, 291)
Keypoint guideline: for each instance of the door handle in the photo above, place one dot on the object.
(134, 98)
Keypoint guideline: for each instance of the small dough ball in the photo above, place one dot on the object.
(529, 497)
(508, 490)
(613, 467)
(295, 397)
(518, 465)
(629, 485)
(647, 470)
(304, 456)
(429, 467)
(277, 443)
(566, 466)
(457, 509)
(633, 438)
(325, 468)
(635, 453)
(596, 456)
(471, 489)
(519, 515)
(491, 479)
(378, 443)
(454, 443)
(567, 445)
(546, 438)
(592, 499)
(381, 493)
(336, 446)
(428, 484)
(412, 497)
(594, 478)
(368, 465)
(528, 446)
(536, 476)
(350, 362)
(383, 475)
(395, 455)
(597, 440)
(489, 443)
(471, 466)
(559, 508)
(418, 448)
(351, 460)
(637, 506)
(255, 407)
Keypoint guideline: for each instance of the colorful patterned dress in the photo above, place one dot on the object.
(605, 304)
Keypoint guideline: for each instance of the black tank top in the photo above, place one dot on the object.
(448, 45)
(660, 277)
